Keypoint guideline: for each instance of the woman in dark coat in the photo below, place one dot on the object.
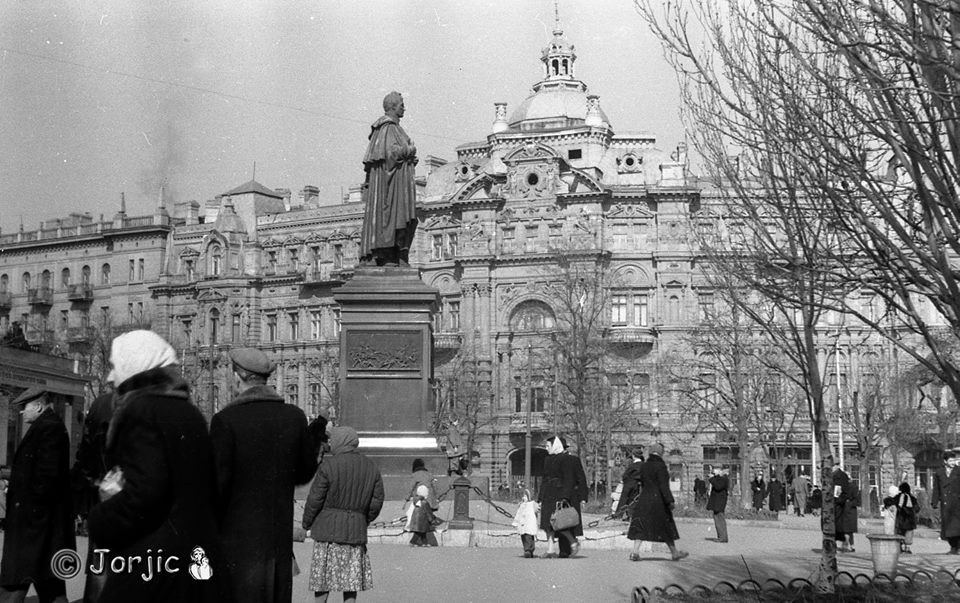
(563, 480)
(160, 493)
(759, 490)
(653, 510)
(843, 502)
(39, 509)
(775, 492)
(346, 496)
(421, 477)
(631, 482)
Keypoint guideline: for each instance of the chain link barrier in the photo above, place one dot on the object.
(801, 587)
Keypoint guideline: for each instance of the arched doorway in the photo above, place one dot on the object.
(516, 465)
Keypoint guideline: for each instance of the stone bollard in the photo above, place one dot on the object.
(461, 505)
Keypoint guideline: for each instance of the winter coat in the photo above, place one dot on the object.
(907, 509)
(39, 506)
(845, 504)
(423, 518)
(425, 478)
(775, 499)
(951, 505)
(159, 440)
(631, 486)
(719, 489)
(563, 479)
(262, 449)
(525, 520)
(346, 494)
(652, 517)
(759, 490)
(801, 486)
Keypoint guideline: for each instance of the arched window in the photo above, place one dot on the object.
(85, 275)
(4, 283)
(673, 309)
(556, 66)
(214, 326)
(293, 394)
(65, 278)
(25, 282)
(45, 279)
(215, 253)
(105, 274)
(532, 316)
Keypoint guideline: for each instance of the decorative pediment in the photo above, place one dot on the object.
(211, 296)
(314, 239)
(442, 221)
(583, 183)
(338, 235)
(292, 242)
(189, 253)
(480, 187)
(631, 275)
(506, 217)
(445, 282)
(271, 242)
(531, 151)
(621, 210)
(674, 283)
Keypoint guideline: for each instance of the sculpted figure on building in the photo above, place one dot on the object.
(389, 191)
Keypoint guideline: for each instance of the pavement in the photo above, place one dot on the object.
(487, 564)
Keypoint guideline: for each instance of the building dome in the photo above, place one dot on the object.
(553, 107)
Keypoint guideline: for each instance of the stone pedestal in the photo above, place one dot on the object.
(386, 366)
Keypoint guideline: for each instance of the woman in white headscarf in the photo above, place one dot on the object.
(563, 483)
(159, 496)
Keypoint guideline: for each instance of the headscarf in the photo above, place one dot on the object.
(343, 439)
(136, 352)
(423, 491)
(555, 446)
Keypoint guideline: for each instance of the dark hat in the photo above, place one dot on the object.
(252, 360)
(28, 396)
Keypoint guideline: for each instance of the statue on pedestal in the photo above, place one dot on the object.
(389, 191)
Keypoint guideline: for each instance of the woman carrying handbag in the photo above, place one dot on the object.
(564, 488)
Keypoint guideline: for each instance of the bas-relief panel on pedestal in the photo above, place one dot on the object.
(384, 351)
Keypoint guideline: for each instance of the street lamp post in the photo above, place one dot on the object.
(528, 436)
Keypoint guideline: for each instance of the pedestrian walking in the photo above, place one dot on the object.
(842, 492)
(631, 483)
(421, 477)
(890, 511)
(564, 483)
(526, 522)
(758, 489)
(423, 521)
(699, 491)
(719, 489)
(345, 497)
(40, 518)
(263, 449)
(160, 491)
(801, 487)
(653, 510)
(906, 520)
(946, 495)
(851, 514)
(775, 494)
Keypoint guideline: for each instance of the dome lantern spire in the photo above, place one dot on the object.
(558, 57)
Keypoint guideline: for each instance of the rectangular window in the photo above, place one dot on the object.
(336, 322)
(130, 313)
(294, 320)
(293, 395)
(235, 328)
(538, 396)
(518, 400)
(436, 248)
(64, 319)
(132, 270)
(139, 312)
(706, 306)
(85, 318)
(214, 327)
(188, 331)
(438, 320)
(338, 257)
(451, 245)
(190, 270)
(574, 154)
(454, 316)
(313, 401)
(272, 261)
(315, 255)
(619, 310)
(315, 324)
(294, 259)
(105, 316)
(271, 320)
(640, 318)
(140, 269)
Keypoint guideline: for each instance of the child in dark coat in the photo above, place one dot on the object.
(423, 520)
(906, 521)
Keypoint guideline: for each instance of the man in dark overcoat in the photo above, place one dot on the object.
(699, 491)
(160, 492)
(843, 495)
(39, 503)
(775, 490)
(719, 489)
(653, 512)
(940, 496)
(263, 449)
(631, 482)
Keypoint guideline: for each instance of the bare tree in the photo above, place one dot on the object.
(465, 394)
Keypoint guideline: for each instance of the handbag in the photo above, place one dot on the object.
(564, 517)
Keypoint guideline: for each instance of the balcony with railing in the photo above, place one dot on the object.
(539, 422)
(6, 301)
(627, 335)
(82, 292)
(41, 296)
(80, 334)
(447, 340)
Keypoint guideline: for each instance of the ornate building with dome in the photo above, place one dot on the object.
(553, 186)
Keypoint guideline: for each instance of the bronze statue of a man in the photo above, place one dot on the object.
(389, 192)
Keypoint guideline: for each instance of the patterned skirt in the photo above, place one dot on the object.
(340, 567)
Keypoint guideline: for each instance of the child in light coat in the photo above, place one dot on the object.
(527, 523)
(890, 511)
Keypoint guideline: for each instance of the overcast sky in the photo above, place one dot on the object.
(103, 96)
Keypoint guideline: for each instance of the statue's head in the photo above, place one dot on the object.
(392, 102)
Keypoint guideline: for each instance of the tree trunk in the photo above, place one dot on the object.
(827, 573)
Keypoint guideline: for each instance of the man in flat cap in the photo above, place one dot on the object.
(39, 506)
(263, 449)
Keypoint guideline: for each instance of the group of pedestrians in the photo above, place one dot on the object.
(187, 513)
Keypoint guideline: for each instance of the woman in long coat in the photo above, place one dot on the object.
(563, 479)
(775, 492)
(845, 511)
(652, 513)
(161, 493)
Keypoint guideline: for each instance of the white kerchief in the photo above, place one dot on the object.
(136, 352)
